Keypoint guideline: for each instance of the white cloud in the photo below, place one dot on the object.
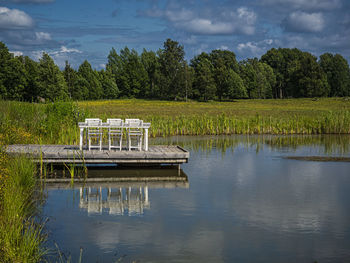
(223, 47)
(206, 26)
(254, 48)
(249, 46)
(26, 38)
(59, 56)
(64, 50)
(42, 36)
(14, 19)
(17, 53)
(247, 16)
(36, 55)
(64, 54)
(241, 21)
(304, 22)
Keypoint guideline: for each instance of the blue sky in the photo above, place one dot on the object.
(76, 30)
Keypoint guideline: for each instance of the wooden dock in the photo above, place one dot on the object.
(59, 154)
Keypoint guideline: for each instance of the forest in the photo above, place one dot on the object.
(166, 75)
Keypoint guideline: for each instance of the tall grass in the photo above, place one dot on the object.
(21, 236)
(53, 123)
(56, 123)
(325, 123)
(292, 116)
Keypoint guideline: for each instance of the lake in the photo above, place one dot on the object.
(239, 199)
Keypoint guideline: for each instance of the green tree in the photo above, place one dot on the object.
(234, 85)
(15, 80)
(172, 62)
(338, 74)
(5, 57)
(71, 76)
(52, 84)
(78, 86)
(134, 75)
(204, 83)
(297, 73)
(225, 68)
(151, 64)
(224, 57)
(258, 78)
(92, 83)
(12, 75)
(279, 60)
(129, 73)
(187, 79)
(306, 78)
(110, 89)
(32, 89)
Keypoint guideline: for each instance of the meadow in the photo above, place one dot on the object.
(56, 123)
(290, 116)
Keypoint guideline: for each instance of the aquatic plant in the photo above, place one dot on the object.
(21, 237)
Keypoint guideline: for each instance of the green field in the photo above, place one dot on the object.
(239, 108)
(290, 116)
(56, 123)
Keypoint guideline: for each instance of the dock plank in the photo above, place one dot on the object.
(157, 154)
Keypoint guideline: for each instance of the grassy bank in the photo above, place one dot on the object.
(56, 123)
(291, 116)
(21, 238)
(53, 123)
(20, 235)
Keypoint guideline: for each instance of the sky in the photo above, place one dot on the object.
(78, 30)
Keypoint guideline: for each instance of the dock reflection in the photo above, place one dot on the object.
(117, 201)
(120, 191)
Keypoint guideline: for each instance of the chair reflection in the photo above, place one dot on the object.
(121, 191)
(117, 201)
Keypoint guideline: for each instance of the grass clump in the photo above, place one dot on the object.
(52, 123)
(21, 236)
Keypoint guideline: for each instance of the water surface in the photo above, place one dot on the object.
(237, 200)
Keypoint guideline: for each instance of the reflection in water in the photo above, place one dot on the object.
(326, 144)
(117, 201)
(120, 191)
(246, 204)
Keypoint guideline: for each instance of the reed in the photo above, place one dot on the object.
(291, 116)
(326, 123)
(54, 123)
(21, 236)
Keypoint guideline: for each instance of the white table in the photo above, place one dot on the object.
(104, 125)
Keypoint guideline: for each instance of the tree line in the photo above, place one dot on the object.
(165, 74)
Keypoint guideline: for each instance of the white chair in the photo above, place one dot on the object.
(134, 128)
(115, 133)
(94, 133)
